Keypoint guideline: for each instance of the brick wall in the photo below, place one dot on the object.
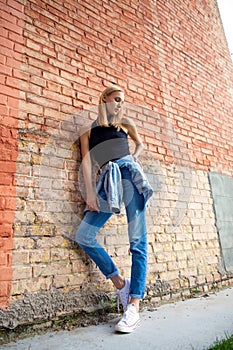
(57, 56)
(11, 30)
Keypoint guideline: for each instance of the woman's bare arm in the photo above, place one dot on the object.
(131, 128)
(91, 198)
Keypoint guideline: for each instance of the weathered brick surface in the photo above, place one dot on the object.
(11, 29)
(172, 60)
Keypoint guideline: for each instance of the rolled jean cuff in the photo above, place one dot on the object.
(137, 296)
(115, 273)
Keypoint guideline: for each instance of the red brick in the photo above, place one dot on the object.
(3, 100)
(4, 302)
(3, 62)
(9, 23)
(6, 244)
(9, 91)
(5, 229)
(2, 203)
(7, 216)
(3, 289)
(3, 259)
(6, 273)
(16, 5)
(7, 167)
(3, 110)
(5, 70)
(18, 48)
(4, 32)
(12, 82)
(10, 203)
(5, 179)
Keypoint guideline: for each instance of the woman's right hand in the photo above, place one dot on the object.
(92, 202)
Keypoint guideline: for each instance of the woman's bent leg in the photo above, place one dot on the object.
(86, 238)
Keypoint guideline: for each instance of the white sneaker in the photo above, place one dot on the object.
(123, 294)
(130, 320)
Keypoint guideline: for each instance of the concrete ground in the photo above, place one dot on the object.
(194, 324)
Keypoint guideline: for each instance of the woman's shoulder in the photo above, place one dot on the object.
(86, 129)
(127, 123)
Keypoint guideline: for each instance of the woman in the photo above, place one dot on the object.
(121, 180)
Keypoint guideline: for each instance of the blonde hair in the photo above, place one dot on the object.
(102, 119)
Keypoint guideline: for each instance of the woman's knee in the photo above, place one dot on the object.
(86, 235)
(81, 236)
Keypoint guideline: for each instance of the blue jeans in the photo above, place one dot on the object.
(136, 217)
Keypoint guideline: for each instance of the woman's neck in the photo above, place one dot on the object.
(110, 118)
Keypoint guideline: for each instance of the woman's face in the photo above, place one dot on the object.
(114, 102)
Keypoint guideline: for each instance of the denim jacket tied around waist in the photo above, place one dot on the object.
(110, 181)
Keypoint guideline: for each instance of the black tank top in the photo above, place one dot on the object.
(106, 143)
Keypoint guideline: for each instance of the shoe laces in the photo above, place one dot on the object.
(123, 295)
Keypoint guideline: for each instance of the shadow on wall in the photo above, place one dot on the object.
(57, 202)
